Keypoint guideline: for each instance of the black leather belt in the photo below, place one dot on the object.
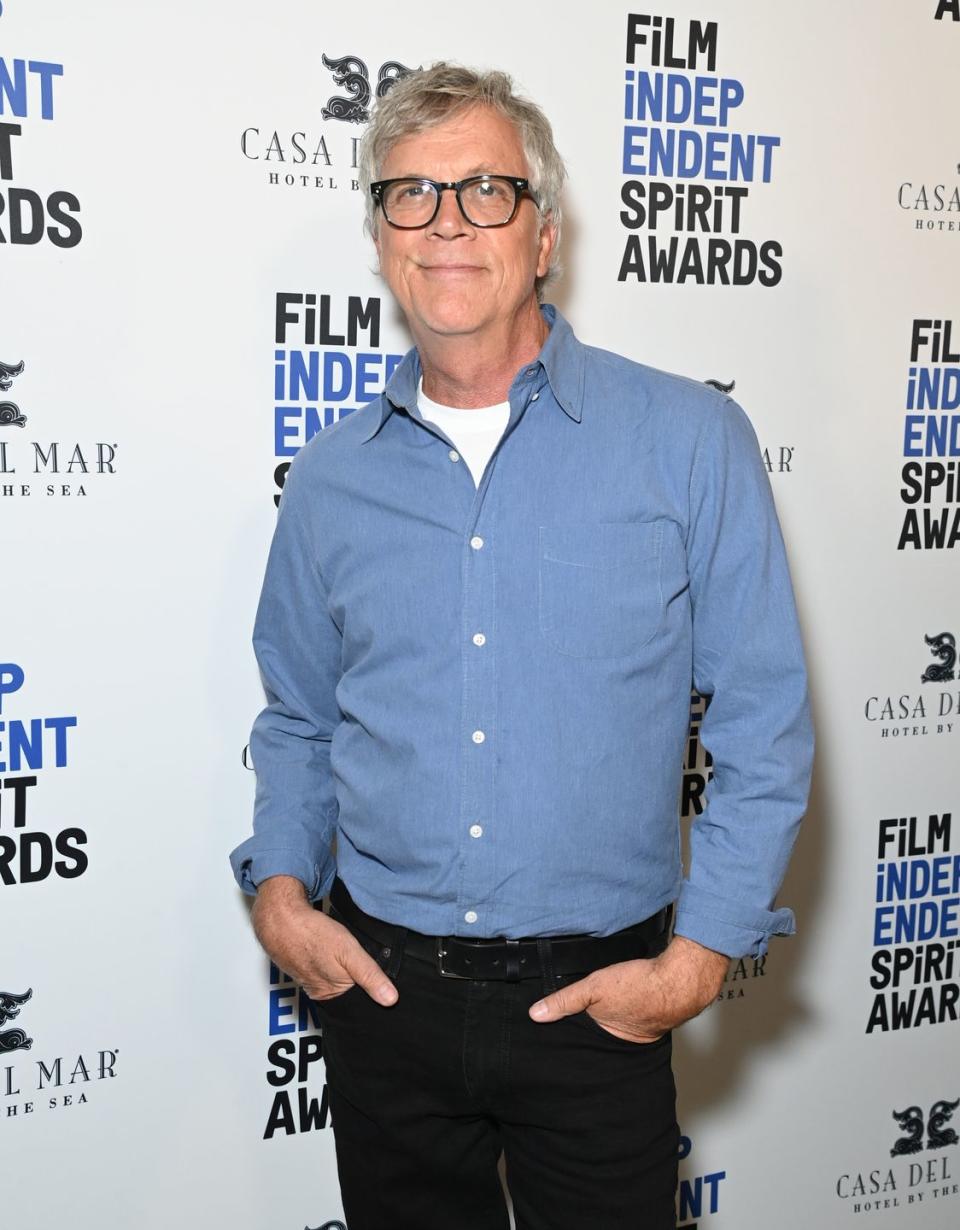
(503, 959)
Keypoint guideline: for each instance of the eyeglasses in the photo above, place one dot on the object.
(484, 200)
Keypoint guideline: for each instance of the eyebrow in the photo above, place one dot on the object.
(478, 170)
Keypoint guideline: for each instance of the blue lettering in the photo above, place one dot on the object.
(715, 154)
(282, 430)
(60, 726)
(882, 922)
(337, 376)
(912, 429)
(30, 749)
(691, 1193)
(917, 922)
(687, 153)
(11, 679)
(46, 72)
(367, 379)
(279, 1009)
(633, 143)
(676, 99)
(26, 749)
(14, 90)
(931, 435)
(304, 375)
(731, 95)
(294, 426)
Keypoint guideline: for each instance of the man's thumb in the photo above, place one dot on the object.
(564, 1002)
(367, 974)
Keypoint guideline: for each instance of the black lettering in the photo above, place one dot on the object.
(635, 214)
(910, 491)
(6, 156)
(31, 871)
(281, 1055)
(18, 197)
(74, 862)
(70, 236)
(280, 1117)
(771, 254)
(363, 316)
(8, 851)
(19, 786)
(313, 1114)
(280, 477)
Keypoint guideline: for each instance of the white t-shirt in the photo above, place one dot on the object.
(476, 432)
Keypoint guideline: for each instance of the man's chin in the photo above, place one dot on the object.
(451, 322)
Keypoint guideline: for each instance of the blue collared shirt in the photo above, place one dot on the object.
(483, 693)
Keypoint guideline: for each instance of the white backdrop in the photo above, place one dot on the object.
(129, 606)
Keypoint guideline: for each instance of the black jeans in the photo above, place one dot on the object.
(425, 1095)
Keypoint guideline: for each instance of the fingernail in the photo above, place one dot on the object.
(539, 1010)
(387, 995)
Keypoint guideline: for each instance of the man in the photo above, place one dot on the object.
(479, 684)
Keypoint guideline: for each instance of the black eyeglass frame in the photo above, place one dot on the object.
(520, 187)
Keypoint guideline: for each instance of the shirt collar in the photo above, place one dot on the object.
(562, 360)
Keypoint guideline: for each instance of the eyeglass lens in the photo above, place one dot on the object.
(485, 202)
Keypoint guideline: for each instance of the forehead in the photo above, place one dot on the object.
(480, 139)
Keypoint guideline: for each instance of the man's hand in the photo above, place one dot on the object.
(317, 952)
(640, 1000)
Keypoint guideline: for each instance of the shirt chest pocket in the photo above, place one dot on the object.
(600, 591)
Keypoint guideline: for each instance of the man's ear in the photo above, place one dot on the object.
(545, 243)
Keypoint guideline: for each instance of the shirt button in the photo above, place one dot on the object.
(453, 455)
(476, 830)
(470, 916)
(479, 638)
(476, 542)
(478, 736)
(534, 397)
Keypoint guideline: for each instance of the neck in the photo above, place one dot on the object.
(471, 370)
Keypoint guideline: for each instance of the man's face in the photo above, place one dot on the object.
(451, 278)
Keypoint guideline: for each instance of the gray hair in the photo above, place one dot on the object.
(436, 94)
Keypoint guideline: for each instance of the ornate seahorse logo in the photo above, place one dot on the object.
(10, 1004)
(943, 647)
(720, 386)
(911, 1120)
(10, 415)
(937, 1134)
(351, 74)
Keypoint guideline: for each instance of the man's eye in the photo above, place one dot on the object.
(491, 191)
(412, 190)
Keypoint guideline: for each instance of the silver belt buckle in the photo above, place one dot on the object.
(441, 953)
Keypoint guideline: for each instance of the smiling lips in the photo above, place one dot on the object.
(451, 268)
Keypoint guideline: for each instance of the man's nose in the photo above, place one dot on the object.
(449, 221)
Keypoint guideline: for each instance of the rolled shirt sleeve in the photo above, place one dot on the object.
(748, 657)
(298, 649)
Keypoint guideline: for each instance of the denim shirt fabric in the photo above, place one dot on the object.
(483, 694)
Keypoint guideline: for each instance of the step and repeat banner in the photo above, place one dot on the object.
(767, 196)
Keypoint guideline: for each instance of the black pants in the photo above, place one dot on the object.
(425, 1095)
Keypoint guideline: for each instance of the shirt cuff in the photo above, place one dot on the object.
(730, 927)
(252, 865)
